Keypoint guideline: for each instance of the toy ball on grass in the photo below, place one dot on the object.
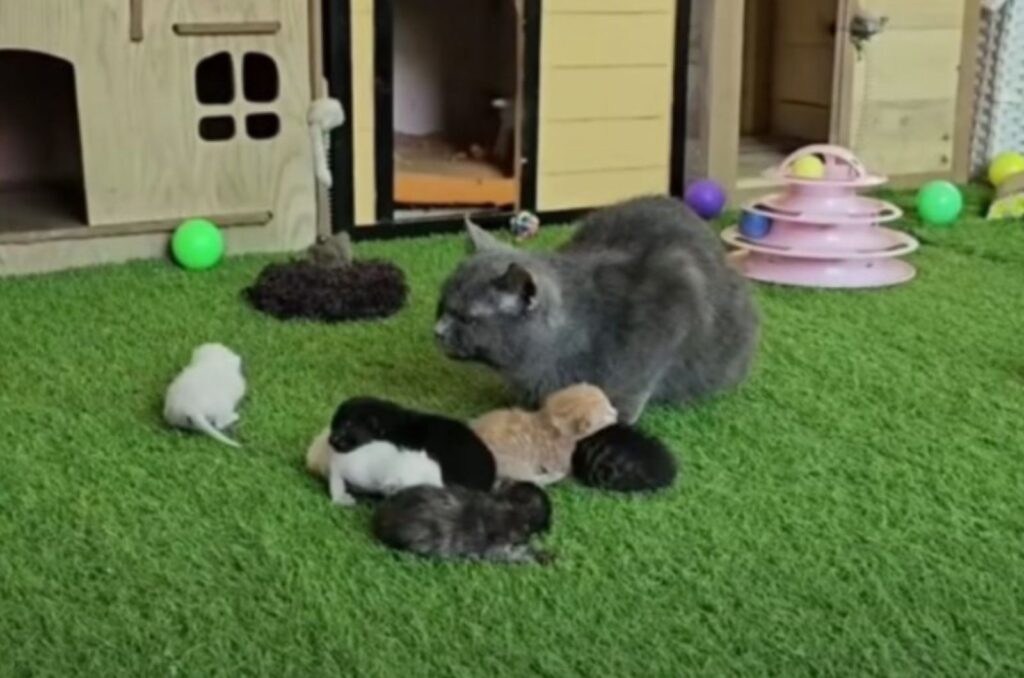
(706, 198)
(939, 203)
(754, 226)
(808, 167)
(302, 289)
(1004, 166)
(197, 244)
(524, 225)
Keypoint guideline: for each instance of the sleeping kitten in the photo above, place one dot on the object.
(454, 522)
(377, 467)
(640, 302)
(622, 459)
(462, 457)
(537, 446)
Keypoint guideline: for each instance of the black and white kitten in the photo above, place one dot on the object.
(454, 522)
(463, 458)
(622, 459)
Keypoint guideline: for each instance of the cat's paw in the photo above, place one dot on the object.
(343, 500)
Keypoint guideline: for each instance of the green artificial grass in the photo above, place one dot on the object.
(856, 509)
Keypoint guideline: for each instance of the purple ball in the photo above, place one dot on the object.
(706, 198)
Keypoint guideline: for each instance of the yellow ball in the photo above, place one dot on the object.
(1004, 166)
(808, 167)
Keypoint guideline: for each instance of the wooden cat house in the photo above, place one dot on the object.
(893, 80)
(495, 106)
(120, 118)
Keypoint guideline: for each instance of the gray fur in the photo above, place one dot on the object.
(641, 302)
(457, 522)
(333, 251)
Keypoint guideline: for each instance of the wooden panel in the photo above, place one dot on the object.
(572, 191)
(904, 120)
(607, 39)
(918, 14)
(603, 144)
(614, 92)
(907, 136)
(721, 79)
(364, 148)
(592, 6)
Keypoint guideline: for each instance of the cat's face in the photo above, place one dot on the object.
(490, 308)
(358, 421)
(580, 410)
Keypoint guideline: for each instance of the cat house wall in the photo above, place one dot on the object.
(181, 108)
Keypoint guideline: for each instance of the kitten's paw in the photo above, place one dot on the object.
(343, 500)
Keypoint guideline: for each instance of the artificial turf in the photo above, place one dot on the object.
(856, 509)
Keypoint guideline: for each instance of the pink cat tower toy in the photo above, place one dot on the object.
(818, 232)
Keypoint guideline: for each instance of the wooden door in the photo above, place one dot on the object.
(902, 101)
(606, 83)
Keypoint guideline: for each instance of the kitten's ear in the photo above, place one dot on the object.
(482, 241)
(518, 289)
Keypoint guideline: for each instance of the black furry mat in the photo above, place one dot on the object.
(300, 289)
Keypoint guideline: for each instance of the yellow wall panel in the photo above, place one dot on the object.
(918, 13)
(613, 92)
(573, 191)
(551, 6)
(604, 144)
(606, 39)
(364, 150)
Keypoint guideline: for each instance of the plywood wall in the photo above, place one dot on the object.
(364, 149)
(605, 100)
(901, 111)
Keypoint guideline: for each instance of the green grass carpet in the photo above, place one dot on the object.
(856, 509)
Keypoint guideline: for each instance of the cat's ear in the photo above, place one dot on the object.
(518, 289)
(482, 241)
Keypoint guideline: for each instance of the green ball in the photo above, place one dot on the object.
(939, 203)
(197, 244)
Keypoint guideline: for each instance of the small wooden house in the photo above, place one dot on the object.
(120, 118)
(893, 80)
(494, 106)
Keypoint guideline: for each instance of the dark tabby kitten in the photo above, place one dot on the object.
(453, 522)
(622, 459)
(640, 302)
(462, 456)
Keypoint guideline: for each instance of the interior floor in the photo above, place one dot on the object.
(430, 170)
(39, 208)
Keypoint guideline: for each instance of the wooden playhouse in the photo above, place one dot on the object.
(891, 79)
(493, 106)
(119, 118)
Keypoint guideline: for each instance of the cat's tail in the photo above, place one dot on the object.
(622, 459)
(203, 425)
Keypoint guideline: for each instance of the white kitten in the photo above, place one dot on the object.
(205, 396)
(378, 466)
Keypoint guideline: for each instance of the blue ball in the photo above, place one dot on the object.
(706, 198)
(754, 226)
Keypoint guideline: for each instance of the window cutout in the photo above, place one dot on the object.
(215, 82)
(259, 78)
(262, 125)
(219, 128)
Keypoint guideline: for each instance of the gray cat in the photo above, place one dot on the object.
(641, 302)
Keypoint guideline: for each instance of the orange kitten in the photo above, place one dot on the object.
(537, 447)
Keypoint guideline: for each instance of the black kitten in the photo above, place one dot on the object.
(622, 459)
(453, 522)
(462, 456)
